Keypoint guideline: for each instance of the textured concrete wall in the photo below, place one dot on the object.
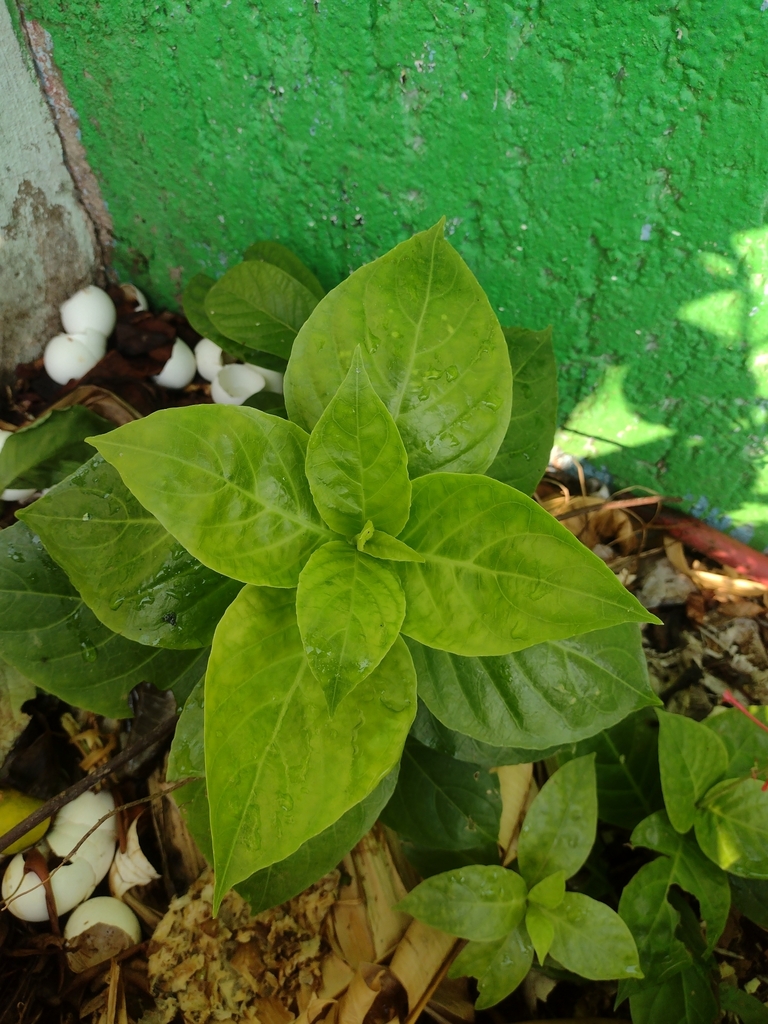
(588, 155)
(46, 241)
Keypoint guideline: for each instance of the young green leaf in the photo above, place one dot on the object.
(50, 448)
(381, 545)
(559, 829)
(129, 570)
(443, 803)
(260, 306)
(731, 826)
(228, 483)
(653, 921)
(685, 998)
(187, 755)
(691, 758)
(592, 940)
(319, 855)
(691, 870)
(433, 734)
(745, 742)
(498, 966)
(499, 573)
(280, 770)
(627, 767)
(193, 303)
(433, 349)
(549, 892)
(357, 466)
(279, 256)
(544, 696)
(482, 903)
(49, 635)
(541, 931)
(349, 608)
(524, 452)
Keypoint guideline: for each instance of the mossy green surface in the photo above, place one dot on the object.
(588, 156)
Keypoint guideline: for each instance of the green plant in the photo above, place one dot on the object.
(379, 543)
(508, 916)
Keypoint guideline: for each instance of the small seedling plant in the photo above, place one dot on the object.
(355, 594)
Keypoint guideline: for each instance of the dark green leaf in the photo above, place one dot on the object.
(187, 755)
(269, 402)
(444, 804)
(684, 999)
(228, 483)
(129, 570)
(357, 466)
(430, 862)
(691, 758)
(627, 767)
(653, 921)
(498, 966)
(543, 697)
(525, 450)
(432, 733)
(280, 770)
(420, 309)
(748, 1009)
(559, 829)
(260, 306)
(349, 608)
(48, 634)
(381, 545)
(732, 827)
(279, 256)
(750, 896)
(592, 940)
(482, 902)
(745, 742)
(193, 303)
(319, 855)
(500, 573)
(50, 448)
(691, 870)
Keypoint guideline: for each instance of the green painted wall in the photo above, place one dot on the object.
(588, 155)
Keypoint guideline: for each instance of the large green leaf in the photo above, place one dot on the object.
(349, 608)
(745, 742)
(499, 573)
(193, 303)
(432, 347)
(52, 637)
(187, 755)
(525, 450)
(547, 695)
(279, 768)
(260, 306)
(559, 829)
(357, 466)
(653, 921)
(320, 854)
(498, 966)
(228, 483)
(691, 758)
(50, 448)
(592, 940)
(627, 767)
(129, 570)
(731, 826)
(686, 998)
(432, 733)
(279, 256)
(691, 870)
(482, 902)
(442, 803)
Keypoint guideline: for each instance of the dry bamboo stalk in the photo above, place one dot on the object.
(421, 960)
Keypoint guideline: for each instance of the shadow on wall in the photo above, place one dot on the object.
(726, 450)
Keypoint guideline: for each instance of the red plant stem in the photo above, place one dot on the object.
(711, 542)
